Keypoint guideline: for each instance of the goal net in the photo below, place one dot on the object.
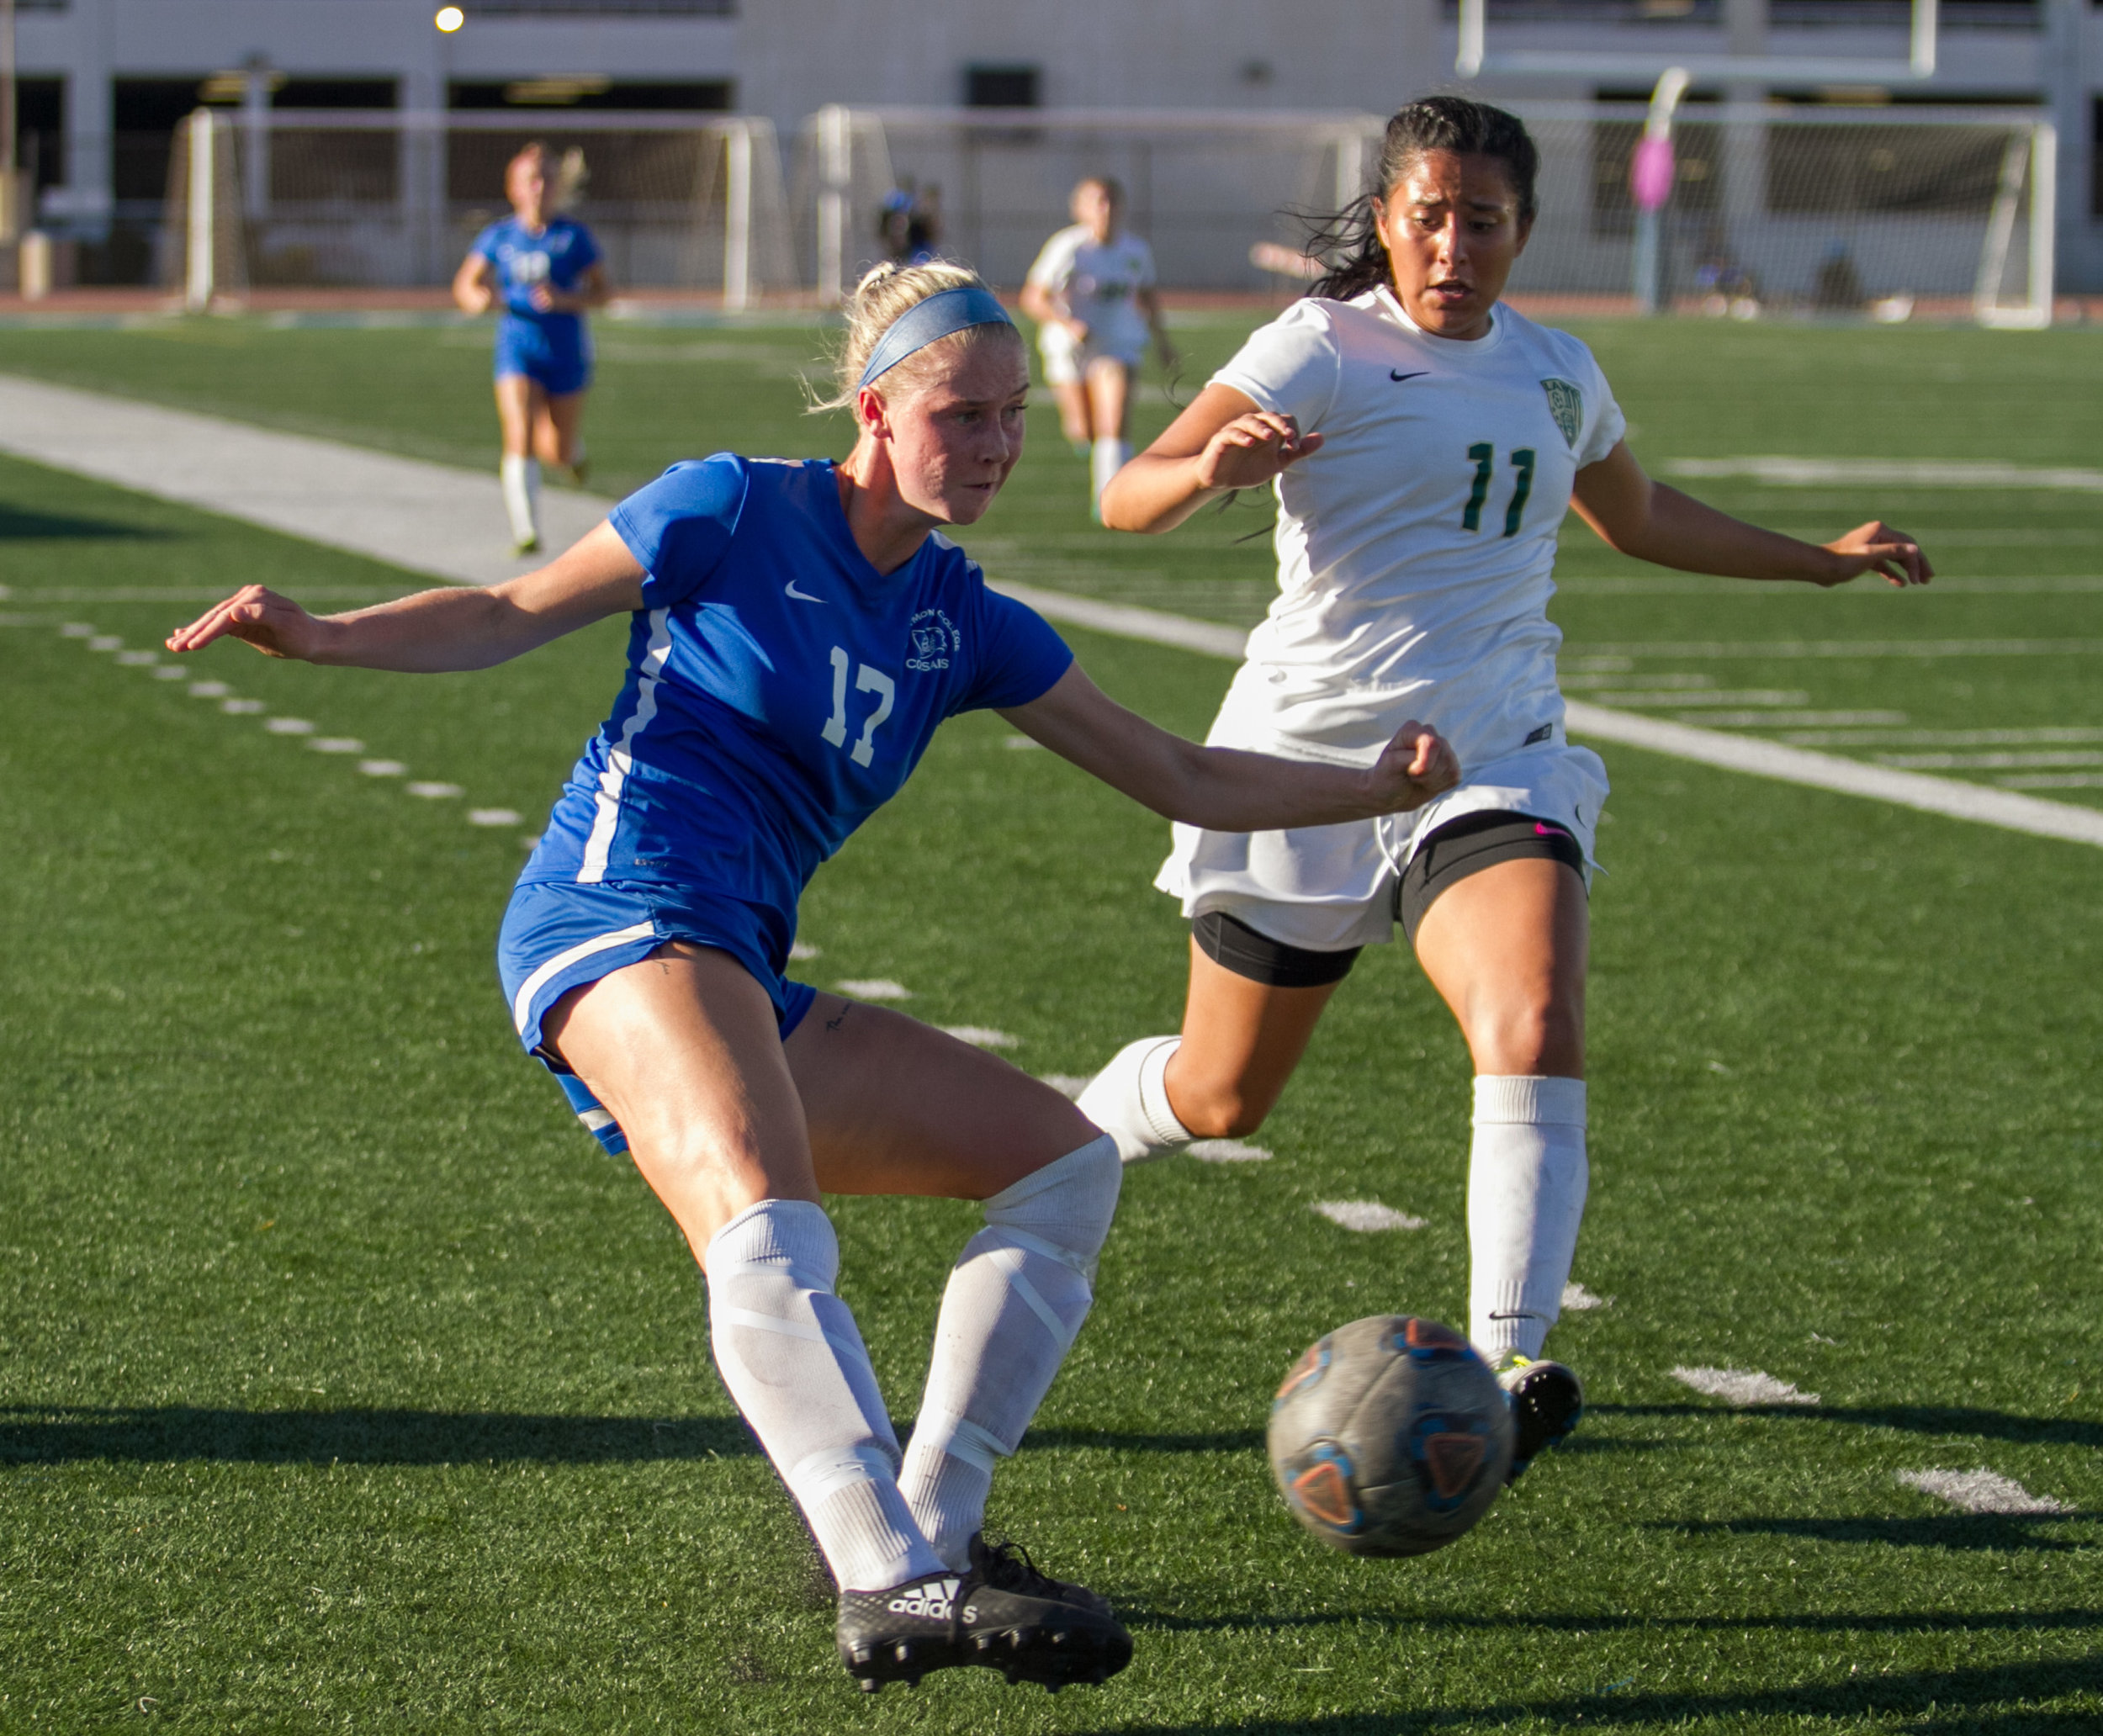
(1890, 212)
(379, 198)
(990, 186)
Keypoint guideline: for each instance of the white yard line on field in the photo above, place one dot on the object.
(1790, 650)
(1982, 1491)
(448, 523)
(1682, 741)
(1892, 472)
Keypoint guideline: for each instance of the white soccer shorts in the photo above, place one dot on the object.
(1329, 887)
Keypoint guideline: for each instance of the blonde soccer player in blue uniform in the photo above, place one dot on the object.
(545, 271)
(797, 632)
(1424, 441)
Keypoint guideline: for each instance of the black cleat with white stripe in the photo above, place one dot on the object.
(1002, 1614)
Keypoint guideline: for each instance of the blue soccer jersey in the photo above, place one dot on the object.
(780, 690)
(558, 256)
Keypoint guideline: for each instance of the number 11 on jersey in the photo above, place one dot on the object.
(866, 680)
(1485, 455)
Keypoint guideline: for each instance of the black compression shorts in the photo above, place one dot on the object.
(1469, 844)
(1461, 847)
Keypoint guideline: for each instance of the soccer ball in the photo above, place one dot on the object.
(1390, 1437)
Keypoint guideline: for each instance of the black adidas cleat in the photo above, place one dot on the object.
(1547, 1401)
(1032, 1628)
(900, 1634)
(1002, 1614)
(1067, 1590)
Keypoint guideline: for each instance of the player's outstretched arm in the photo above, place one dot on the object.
(467, 627)
(1223, 789)
(1221, 443)
(1641, 517)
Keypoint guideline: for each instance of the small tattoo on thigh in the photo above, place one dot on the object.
(835, 1024)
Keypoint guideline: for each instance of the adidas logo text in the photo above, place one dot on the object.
(931, 1599)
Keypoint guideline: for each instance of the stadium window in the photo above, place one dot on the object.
(39, 128)
(144, 114)
(692, 96)
(1001, 87)
(296, 93)
(2096, 157)
(1834, 171)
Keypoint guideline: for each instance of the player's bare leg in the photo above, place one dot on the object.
(1076, 416)
(519, 404)
(1506, 950)
(1241, 1042)
(558, 433)
(1108, 383)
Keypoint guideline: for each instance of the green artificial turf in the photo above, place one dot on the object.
(344, 1383)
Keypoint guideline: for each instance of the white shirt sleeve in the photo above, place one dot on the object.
(1292, 366)
(1608, 426)
(1054, 266)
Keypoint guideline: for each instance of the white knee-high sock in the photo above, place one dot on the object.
(1016, 1298)
(1527, 1177)
(1107, 457)
(1129, 1101)
(789, 1352)
(521, 497)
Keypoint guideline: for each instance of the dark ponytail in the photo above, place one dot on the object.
(1350, 241)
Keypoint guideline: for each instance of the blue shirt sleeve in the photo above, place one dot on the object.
(584, 252)
(485, 242)
(1020, 657)
(680, 526)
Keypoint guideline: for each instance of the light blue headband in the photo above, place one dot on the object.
(926, 322)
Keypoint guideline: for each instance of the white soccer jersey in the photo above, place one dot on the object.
(1101, 282)
(1414, 558)
(1415, 549)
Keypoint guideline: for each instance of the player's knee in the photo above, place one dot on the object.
(1536, 1032)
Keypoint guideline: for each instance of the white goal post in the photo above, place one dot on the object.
(1202, 186)
(1891, 213)
(387, 198)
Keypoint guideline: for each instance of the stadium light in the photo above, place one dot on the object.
(449, 19)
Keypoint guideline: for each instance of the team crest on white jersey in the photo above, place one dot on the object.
(932, 1599)
(936, 639)
(1566, 403)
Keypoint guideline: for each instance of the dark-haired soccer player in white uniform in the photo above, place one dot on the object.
(1424, 441)
(798, 632)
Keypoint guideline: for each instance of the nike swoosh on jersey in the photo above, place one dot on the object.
(800, 596)
(1419, 374)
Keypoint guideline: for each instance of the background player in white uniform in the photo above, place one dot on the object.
(644, 949)
(1423, 440)
(1092, 294)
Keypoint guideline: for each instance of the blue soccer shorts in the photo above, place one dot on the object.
(554, 353)
(559, 935)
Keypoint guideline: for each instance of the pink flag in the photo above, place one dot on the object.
(1650, 172)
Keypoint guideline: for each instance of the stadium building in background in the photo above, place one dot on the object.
(103, 84)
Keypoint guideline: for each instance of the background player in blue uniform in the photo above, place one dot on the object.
(545, 270)
(798, 633)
